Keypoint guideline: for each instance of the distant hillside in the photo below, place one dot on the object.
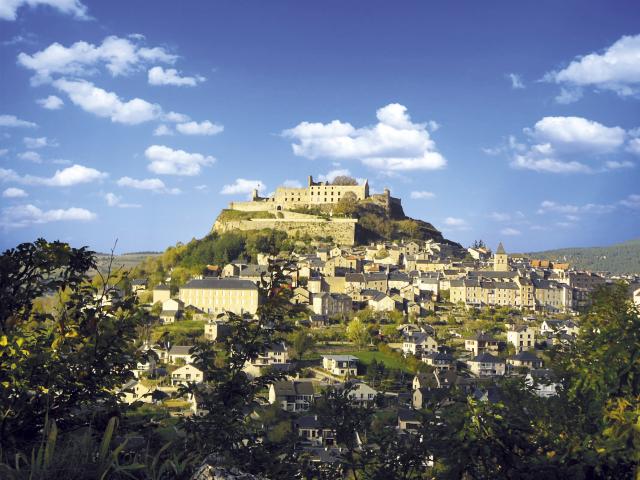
(618, 258)
(125, 261)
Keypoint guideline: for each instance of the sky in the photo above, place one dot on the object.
(139, 121)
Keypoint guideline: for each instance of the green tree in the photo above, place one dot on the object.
(357, 332)
(64, 365)
(303, 342)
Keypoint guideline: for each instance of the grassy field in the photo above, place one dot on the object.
(125, 262)
(368, 356)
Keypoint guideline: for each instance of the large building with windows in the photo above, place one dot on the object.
(219, 295)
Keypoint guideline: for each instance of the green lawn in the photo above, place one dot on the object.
(368, 356)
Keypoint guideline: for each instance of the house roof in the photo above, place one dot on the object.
(500, 250)
(162, 287)
(525, 356)
(139, 281)
(293, 388)
(408, 415)
(341, 358)
(180, 349)
(486, 358)
(221, 284)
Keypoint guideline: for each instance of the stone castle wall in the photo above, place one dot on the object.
(343, 230)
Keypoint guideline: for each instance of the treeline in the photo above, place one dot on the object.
(620, 258)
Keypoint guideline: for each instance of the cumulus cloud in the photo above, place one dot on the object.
(162, 130)
(202, 128)
(114, 200)
(632, 201)
(68, 177)
(243, 186)
(39, 142)
(395, 143)
(13, 192)
(453, 223)
(616, 69)
(420, 195)
(107, 104)
(15, 122)
(166, 161)
(516, 81)
(120, 56)
(510, 231)
(569, 209)
(151, 184)
(566, 144)
(52, 102)
(331, 175)
(170, 76)
(292, 184)
(175, 117)
(30, 157)
(500, 216)
(9, 8)
(27, 215)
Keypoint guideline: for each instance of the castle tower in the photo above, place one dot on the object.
(500, 260)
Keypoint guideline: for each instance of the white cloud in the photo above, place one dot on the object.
(107, 104)
(331, 175)
(243, 186)
(616, 69)
(151, 184)
(166, 161)
(39, 142)
(422, 195)
(52, 102)
(577, 134)
(568, 209)
(175, 117)
(456, 224)
(170, 76)
(120, 56)
(162, 130)
(74, 175)
(13, 121)
(634, 146)
(9, 8)
(395, 143)
(202, 128)
(568, 95)
(500, 216)
(565, 144)
(30, 157)
(510, 231)
(632, 201)
(516, 81)
(26, 215)
(292, 184)
(13, 192)
(114, 200)
(616, 165)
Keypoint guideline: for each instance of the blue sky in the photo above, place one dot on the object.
(494, 120)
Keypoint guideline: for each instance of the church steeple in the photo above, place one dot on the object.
(501, 259)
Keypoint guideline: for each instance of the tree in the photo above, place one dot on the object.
(303, 342)
(344, 180)
(478, 244)
(64, 365)
(347, 206)
(357, 332)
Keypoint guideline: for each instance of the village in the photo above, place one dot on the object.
(395, 323)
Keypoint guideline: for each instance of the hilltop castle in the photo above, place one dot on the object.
(314, 194)
(295, 210)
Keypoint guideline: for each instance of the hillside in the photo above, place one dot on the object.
(619, 258)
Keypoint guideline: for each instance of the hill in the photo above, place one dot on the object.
(619, 258)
